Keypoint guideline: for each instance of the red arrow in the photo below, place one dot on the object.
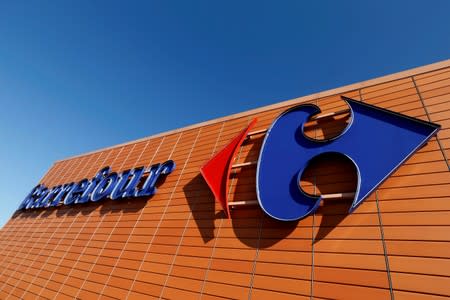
(216, 171)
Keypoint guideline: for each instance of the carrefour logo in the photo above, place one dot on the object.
(376, 142)
(137, 182)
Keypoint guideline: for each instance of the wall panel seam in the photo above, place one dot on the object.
(185, 226)
(104, 244)
(68, 229)
(27, 231)
(162, 215)
(220, 224)
(386, 257)
(255, 261)
(429, 119)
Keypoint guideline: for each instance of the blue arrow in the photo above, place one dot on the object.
(377, 141)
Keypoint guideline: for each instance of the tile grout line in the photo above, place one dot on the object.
(255, 261)
(182, 234)
(429, 119)
(313, 239)
(90, 238)
(47, 174)
(49, 255)
(23, 260)
(65, 233)
(360, 95)
(218, 230)
(220, 224)
(117, 222)
(23, 235)
(140, 213)
(160, 219)
(42, 252)
(9, 230)
(36, 242)
(313, 229)
(386, 258)
(13, 242)
(104, 242)
(233, 180)
(49, 171)
(78, 234)
(139, 216)
(31, 248)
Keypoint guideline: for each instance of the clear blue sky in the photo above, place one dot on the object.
(76, 76)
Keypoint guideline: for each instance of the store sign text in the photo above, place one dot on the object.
(131, 183)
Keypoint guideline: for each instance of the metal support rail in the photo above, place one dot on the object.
(256, 132)
(324, 196)
(245, 164)
(332, 114)
(318, 117)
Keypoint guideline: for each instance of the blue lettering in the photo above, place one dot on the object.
(51, 194)
(64, 190)
(76, 191)
(31, 196)
(125, 186)
(155, 171)
(42, 194)
(103, 185)
(92, 185)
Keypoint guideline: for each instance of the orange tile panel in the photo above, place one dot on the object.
(440, 91)
(432, 73)
(225, 290)
(434, 285)
(386, 85)
(332, 291)
(416, 296)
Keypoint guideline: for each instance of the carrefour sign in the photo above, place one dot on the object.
(133, 183)
(376, 141)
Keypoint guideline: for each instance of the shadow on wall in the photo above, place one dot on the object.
(327, 175)
(330, 174)
(202, 205)
(246, 222)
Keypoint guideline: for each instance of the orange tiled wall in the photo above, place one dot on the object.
(179, 245)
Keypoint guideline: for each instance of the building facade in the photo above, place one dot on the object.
(180, 244)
